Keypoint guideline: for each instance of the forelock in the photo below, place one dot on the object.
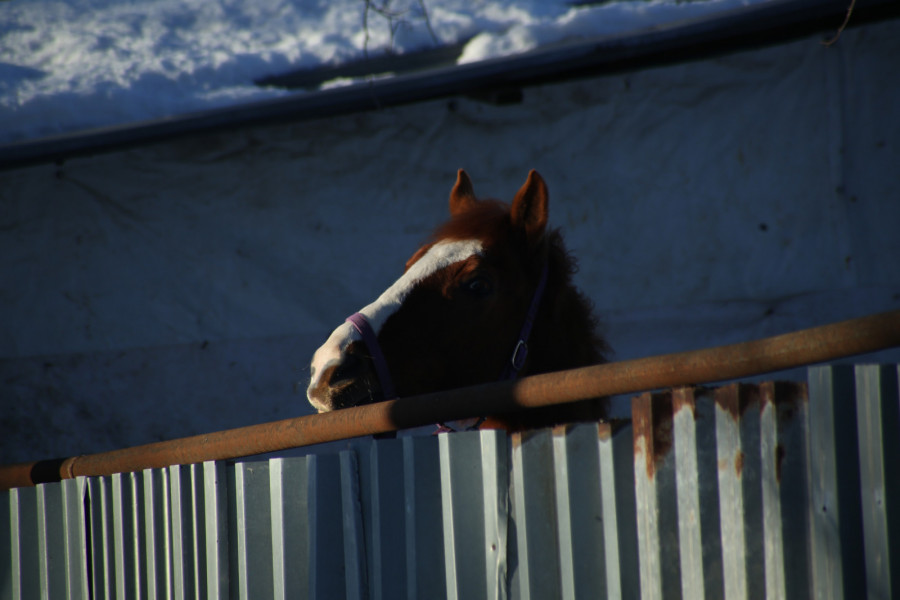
(486, 221)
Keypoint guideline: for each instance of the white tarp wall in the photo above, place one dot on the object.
(182, 287)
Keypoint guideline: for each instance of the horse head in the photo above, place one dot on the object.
(455, 317)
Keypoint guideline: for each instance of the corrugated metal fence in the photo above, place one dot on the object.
(743, 491)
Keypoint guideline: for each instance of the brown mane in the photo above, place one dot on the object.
(568, 335)
(482, 221)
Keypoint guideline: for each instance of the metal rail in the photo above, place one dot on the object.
(808, 346)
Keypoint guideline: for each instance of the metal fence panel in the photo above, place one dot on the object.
(289, 496)
(833, 475)
(25, 574)
(73, 491)
(617, 481)
(716, 481)
(579, 508)
(784, 426)
(355, 574)
(657, 517)
(534, 518)
(567, 537)
(252, 531)
(101, 543)
(699, 508)
(7, 527)
(325, 520)
(51, 541)
(157, 550)
(743, 491)
(475, 511)
(386, 520)
(737, 428)
(878, 421)
(127, 550)
(183, 533)
(424, 552)
(215, 523)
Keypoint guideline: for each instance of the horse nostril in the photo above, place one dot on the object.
(348, 369)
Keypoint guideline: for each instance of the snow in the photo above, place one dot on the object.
(81, 64)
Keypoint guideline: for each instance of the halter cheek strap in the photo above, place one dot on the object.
(520, 353)
(361, 324)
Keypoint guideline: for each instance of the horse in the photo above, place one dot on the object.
(489, 296)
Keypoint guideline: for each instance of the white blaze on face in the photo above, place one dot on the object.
(439, 256)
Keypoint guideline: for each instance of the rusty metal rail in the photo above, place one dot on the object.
(819, 344)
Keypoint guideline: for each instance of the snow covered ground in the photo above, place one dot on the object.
(79, 64)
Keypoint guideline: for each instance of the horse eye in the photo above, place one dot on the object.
(478, 286)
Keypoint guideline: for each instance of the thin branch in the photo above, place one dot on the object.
(843, 26)
(434, 37)
(395, 20)
(366, 30)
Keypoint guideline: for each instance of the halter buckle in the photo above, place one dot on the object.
(519, 355)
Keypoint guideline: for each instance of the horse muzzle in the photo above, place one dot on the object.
(345, 380)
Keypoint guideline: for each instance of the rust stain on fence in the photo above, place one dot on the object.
(652, 421)
(736, 398)
(739, 463)
(784, 396)
(684, 398)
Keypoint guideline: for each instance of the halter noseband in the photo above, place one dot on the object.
(362, 325)
(511, 371)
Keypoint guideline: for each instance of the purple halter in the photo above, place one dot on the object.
(511, 371)
(361, 324)
(520, 353)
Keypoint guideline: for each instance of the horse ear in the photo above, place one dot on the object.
(462, 196)
(529, 207)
